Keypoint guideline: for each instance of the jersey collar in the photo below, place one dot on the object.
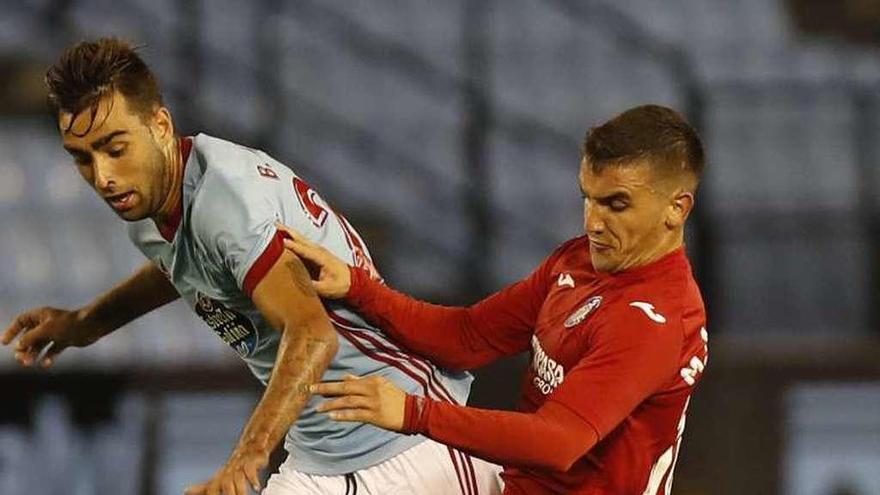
(169, 229)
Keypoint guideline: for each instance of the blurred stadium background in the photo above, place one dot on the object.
(449, 132)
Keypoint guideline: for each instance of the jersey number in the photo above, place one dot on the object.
(267, 171)
(310, 202)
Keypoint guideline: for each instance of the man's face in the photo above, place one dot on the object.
(119, 156)
(625, 215)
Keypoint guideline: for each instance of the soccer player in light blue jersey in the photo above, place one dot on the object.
(203, 211)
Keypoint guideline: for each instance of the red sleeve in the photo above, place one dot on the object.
(457, 338)
(630, 357)
(505, 437)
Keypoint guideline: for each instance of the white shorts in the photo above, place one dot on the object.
(429, 468)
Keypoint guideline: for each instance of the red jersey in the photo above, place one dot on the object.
(614, 360)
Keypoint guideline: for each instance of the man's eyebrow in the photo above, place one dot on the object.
(73, 149)
(608, 198)
(100, 142)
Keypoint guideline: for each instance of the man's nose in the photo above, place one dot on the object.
(593, 222)
(103, 177)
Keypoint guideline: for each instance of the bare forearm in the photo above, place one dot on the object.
(303, 356)
(287, 300)
(141, 293)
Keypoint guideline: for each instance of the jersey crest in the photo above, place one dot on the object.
(582, 312)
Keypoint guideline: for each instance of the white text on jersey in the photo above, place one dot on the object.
(548, 373)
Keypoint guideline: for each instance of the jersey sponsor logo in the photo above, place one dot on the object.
(648, 309)
(311, 203)
(582, 312)
(231, 326)
(565, 280)
(548, 373)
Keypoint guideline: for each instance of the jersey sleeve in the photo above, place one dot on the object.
(234, 221)
(504, 437)
(457, 338)
(630, 357)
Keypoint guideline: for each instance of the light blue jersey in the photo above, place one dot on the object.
(226, 241)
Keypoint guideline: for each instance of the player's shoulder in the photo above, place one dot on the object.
(221, 151)
(572, 249)
(226, 164)
(644, 308)
(635, 319)
(230, 169)
(560, 260)
(228, 189)
(575, 244)
(668, 301)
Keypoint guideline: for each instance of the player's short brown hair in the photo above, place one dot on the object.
(91, 70)
(654, 134)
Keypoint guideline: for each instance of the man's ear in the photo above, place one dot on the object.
(680, 207)
(162, 125)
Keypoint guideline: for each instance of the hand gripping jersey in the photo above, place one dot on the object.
(219, 248)
(614, 360)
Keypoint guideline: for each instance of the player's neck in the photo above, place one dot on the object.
(670, 243)
(173, 180)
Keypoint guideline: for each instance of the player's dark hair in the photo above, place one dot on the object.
(90, 70)
(651, 133)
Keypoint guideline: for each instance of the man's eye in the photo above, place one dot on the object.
(116, 152)
(618, 205)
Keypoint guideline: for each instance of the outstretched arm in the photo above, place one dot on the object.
(502, 437)
(630, 358)
(53, 329)
(456, 338)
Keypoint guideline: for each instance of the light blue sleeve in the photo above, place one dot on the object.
(233, 220)
(237, 204)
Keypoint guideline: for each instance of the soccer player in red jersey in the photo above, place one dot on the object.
(614, 321)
